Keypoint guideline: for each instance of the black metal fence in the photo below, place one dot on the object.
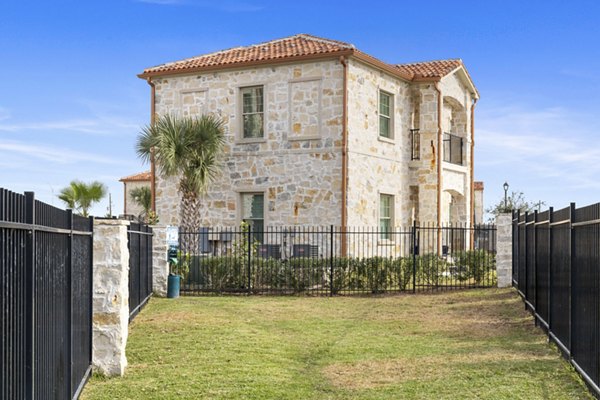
(556, 269)
(45, 299)
(139, 237)
(329, 261)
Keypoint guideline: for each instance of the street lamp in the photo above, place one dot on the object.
(505, 186)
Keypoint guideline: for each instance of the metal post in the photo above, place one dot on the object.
(30, 298)
(248, 255)
(535, 288)
(525, 259)
(550, 220)
(414, 255)
(571, 279)
(331, 285)
(91, 291)
(69, 279)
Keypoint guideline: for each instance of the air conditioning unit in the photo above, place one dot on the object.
(269, 251)
(305, 250)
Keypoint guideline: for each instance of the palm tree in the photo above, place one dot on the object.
(142, 196)
(80, 196)
(187, 148)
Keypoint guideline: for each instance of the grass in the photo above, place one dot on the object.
(477, 344)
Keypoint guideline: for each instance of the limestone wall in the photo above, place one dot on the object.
(110, 296)
(297, 165)
(423, 172)
(504, 249)
(160, 266)
(377, 165)
(456, 119)
(478, 207)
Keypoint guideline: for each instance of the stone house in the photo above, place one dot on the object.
(320, 133)
(131, 182)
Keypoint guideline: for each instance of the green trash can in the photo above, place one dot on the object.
(173, 286)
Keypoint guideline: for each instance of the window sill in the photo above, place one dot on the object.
(386, 140)
(300, 138)
(250, 140)
(454, 167)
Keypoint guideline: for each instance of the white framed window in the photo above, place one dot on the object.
(253, 116)
(386, 216)
(253, 212)
(386, 107)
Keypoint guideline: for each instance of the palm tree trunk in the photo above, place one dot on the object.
(190, 222)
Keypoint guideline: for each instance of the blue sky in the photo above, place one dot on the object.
(71, 105)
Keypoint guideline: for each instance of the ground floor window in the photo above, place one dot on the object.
(386, 215)
(253, 212)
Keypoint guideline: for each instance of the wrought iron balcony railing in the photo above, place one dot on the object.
(453, 149)
(415, 144)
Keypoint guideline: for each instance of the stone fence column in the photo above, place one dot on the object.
(110, 296)
(160, 266)
(504, 249)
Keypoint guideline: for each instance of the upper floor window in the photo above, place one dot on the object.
(252, 112)
(385, 115)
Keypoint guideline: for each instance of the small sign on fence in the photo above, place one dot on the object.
(173, 235)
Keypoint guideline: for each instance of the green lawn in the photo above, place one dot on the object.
(477, 344)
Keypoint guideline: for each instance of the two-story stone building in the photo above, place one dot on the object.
(320, 133)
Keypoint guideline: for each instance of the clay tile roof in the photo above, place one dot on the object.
(430, 69)
(478, 185)
(275, 50)
(141, 177)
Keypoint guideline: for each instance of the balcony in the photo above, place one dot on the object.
(453, 149)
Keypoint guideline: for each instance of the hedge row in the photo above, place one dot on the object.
(372, 275)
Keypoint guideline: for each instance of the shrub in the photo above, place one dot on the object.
(475, 264)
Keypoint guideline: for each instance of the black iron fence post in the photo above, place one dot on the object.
(571, 277)
(331, 285)
(525, 259)
(69, 277)
(550, 221)
(91, 287)
(248, 255)
(30, 306)
(533, 300)
(415, 245)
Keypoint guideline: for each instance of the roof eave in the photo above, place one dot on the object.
(283, 60)
(381, 65)
(466, 78)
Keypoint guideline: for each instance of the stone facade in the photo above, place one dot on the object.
(110, 296)
(160, 266)
(504, 249)
(297, 166)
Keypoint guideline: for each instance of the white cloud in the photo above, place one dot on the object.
(550, 154)
(52, 154)
(99, 126)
